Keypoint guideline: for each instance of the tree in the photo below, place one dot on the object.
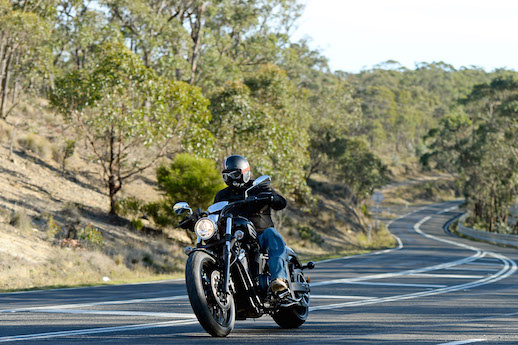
(23, 33)
(129, 115)
(361, 170)
(260, 119)
(483, 150)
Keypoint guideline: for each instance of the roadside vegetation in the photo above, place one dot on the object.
(111, 111)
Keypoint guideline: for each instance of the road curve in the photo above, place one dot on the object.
(433, 288)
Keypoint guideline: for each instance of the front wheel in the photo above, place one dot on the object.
(295, 316)
(213, 308)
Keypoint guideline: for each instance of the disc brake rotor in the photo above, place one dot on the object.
(216, 284)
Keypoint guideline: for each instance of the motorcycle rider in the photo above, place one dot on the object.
(236, 174)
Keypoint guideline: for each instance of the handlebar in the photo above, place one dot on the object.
(250, 199)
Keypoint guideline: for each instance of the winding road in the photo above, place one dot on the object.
(434, 288)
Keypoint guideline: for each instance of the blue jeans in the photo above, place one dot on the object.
(271, 242)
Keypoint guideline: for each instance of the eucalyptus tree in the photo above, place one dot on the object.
(24, 31)
(482, 147)
(264, 120)
(129, 115)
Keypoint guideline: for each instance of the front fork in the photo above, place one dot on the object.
(227, 255)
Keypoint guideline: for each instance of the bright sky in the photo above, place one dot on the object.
(357, 34)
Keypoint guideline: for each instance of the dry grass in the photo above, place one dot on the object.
(21, 221)
(36, 144)
(67, 267)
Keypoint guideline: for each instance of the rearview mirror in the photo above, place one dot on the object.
(261, 181)
(182, 207)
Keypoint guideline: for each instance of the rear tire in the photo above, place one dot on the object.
(203, 282)
(294, 317)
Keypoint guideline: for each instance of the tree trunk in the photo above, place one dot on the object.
(5, 85)
(196, 28)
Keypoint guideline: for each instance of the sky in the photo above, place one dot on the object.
(358, 34)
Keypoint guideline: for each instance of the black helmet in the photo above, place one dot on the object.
(236, 171)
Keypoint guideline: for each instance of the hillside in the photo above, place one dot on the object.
(41, 205)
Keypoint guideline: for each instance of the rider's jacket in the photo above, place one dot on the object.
(258, 213)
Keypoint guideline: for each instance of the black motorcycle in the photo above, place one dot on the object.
(227, 275)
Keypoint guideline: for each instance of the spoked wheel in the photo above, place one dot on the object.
(214, 309)
(295, 316)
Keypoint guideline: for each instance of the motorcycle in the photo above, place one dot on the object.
(227, 274)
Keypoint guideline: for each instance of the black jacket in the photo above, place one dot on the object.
(258, 213)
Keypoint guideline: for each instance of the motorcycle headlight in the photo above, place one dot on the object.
(205, 228)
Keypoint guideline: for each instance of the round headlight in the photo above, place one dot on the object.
(205, 228)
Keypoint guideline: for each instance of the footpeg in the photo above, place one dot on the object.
(283, 294)
(310, 265)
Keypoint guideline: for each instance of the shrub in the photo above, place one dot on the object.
(63, 152)
(129, 206)
(189, 178)
(306, 233)
(137, 224)
(90, 237)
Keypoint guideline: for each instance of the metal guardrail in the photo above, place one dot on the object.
(490, 237)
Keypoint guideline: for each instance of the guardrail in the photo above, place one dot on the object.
(491, 237)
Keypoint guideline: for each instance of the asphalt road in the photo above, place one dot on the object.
(433, 289)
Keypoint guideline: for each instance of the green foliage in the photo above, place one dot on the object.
(189, 178)
(25, 54)
(483, 150)
(123, 73)
(120, 105)
(90, 237)
(361, 170)
(306, 233)
(160, 213)
(137, 224)
(261, 119)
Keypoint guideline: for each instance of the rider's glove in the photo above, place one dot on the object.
(270, 197)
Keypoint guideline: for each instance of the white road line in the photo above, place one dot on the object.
(477, 255)
(447, 210)
(455, 276)
(339, 297)
(115, 312)
(84, 305)
(471, 268)
(392, 284)
(97, 330)
(461, 342)
(509, 268)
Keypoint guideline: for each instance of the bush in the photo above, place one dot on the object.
(306, 233)
(129, 206)
(189, 178)
(62, 153)
(137, 224)
(90, 237)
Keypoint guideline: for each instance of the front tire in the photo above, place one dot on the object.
(204, 287)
